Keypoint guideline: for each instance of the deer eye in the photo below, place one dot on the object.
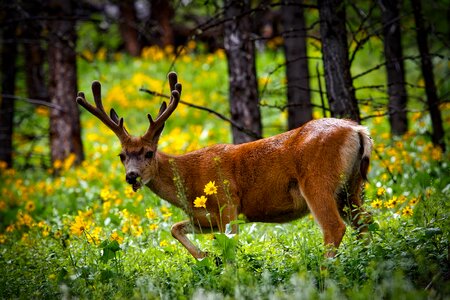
(149, 154)
(122, 157)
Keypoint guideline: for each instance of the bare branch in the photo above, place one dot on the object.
(36, 101)
(209, 110)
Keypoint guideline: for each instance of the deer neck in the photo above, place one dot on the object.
(165, 181)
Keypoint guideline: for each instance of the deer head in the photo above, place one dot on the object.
(138, 154)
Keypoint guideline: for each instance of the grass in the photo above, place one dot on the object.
(85, 234)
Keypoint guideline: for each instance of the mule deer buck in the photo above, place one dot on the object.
(318, 168)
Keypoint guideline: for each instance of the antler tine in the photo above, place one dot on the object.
(175, 88)
(165, 110)
(113, 122)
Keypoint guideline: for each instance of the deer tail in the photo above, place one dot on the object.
(365, 142)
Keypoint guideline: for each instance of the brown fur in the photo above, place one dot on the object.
(318, 168)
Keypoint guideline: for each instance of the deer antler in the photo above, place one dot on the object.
(112, 121)
(156, 127)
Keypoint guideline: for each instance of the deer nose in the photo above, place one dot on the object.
(131, 177)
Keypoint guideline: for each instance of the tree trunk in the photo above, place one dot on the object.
(8, 72)
(297, 73)
(339, 83)
(128, 27)
(243, 89)
(427, 72)
(162, 12)
(34, 53)
(394, 66)
(65, 135)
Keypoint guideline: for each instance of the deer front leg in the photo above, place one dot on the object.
(179, 231)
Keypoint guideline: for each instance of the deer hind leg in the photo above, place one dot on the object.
(350, 206)
(179, 231)
(322, 204)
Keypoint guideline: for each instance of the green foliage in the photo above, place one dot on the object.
(85, 234)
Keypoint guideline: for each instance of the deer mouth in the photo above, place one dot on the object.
(137, 184)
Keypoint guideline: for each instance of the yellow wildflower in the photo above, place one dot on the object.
(105, 194)
(45, 228)
(377, 204)
(191, 45)
(153, 226)
(129, 193)
(381, 191)
(165, 210)
(80, 225)
(30, 206)
(163, 243)
(101, 54)
(210, 188)
(2, 205)
(3, 165)
(10, 228)
(436, 153)
(42, 111)
(200, 202)
(116, 237)
(407, 211)
(150, 213)
(24, 237)
(401, 199)
(24, 219)
(2, 238)
(58, 234)
(69, 161)
(57, 164)
(88, 55)
(125, 228)
(167, 215)
(94, 236)
(391, 203)
(413, 201)
(106, 206)
(137, 231)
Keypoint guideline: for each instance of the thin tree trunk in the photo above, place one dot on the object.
(427, 72)
(240, 50)
(297, 73)
(65, 132)
(8, 72)
(394, 66)
(162, 12)
(34, 53)
(127, 25)
(339, 83)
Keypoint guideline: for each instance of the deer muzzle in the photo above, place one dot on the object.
(134, 179)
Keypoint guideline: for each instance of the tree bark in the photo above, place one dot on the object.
(34, 53)
(438, 134)
(394, 66)
(8, 80)
(339, 83)
(243, 89)
(297, 73)
(127, 25)
(162, 12)
(65, 132)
